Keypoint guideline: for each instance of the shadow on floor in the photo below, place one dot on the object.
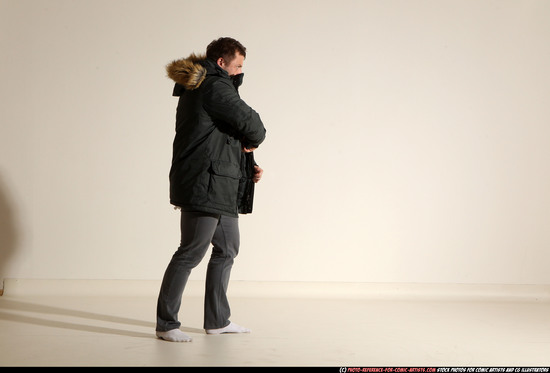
(10, 310)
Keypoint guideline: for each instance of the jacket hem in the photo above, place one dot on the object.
(209, 210)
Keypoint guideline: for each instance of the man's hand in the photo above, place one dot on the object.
(258, 172)
(248, 150)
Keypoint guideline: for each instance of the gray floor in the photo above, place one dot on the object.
(119, 331)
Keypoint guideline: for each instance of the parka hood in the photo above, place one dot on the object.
(189, 73)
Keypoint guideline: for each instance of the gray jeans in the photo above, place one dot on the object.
(198, 231)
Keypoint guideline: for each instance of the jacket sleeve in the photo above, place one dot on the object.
(222, 102)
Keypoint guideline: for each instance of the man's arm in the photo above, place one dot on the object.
(222, 102)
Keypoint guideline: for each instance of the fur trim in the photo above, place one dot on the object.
(187, 71)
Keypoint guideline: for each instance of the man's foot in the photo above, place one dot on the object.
(231, 328)
(174, 335)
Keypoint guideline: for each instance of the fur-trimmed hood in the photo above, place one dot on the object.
(188, 72)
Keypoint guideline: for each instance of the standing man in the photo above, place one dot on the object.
(211, 180)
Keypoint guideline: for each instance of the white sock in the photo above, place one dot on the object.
(174, 335)
(231, 328)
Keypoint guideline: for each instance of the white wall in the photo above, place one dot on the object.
(408, 141)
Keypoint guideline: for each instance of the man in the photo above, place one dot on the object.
(211, 180)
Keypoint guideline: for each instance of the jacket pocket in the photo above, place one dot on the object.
(224, 183)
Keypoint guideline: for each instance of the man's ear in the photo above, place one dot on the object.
(220, 62)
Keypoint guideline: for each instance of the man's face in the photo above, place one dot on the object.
(234, 67)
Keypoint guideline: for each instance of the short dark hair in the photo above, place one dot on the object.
(225, 48)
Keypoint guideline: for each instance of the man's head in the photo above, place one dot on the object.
(228, 53)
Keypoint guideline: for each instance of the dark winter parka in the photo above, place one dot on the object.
(209, 171)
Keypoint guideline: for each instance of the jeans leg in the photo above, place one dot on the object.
(197, 230)
(225, 243)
